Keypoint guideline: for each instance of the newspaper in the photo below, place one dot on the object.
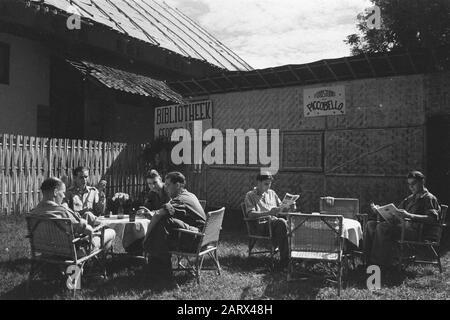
(390, 213)
(289, 200)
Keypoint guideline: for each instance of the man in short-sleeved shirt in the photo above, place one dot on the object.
(263, 201)
(380, 239)
(82, 198)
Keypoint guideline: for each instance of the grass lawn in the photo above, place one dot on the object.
(242, 277)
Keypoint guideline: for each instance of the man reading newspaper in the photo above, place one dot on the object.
(380, 238)
(263, 201)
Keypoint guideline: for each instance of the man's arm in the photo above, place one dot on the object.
(97, 206)
(251, 211)
(430, 214)
(80, 225)
(158, 215)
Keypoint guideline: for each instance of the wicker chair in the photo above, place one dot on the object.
(316, 238)
(207, 240)
(53, 241)
(409, 250)
(254, 234)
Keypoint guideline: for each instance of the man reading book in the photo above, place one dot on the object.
(421, 206)
(263, 201)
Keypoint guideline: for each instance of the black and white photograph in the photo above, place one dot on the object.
(224, 155)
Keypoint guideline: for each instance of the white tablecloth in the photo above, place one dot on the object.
(351, 230)
(127, 231)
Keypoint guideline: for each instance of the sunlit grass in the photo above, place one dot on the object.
(242, 278)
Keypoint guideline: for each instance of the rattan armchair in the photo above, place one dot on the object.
(414, 252)
(316, 238)
(206, 241)
(53, 241)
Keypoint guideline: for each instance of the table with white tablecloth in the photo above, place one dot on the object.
(351, 229)
(126, 232)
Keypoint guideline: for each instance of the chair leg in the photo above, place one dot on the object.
(339, 278)
(439, 262)
(102, 262)
(290, 270)
(215, 258)
(197, 269)
(30, 277)
(251, 244)
(438, 257)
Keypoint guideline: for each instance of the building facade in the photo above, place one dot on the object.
(393, 122)
(96, 70)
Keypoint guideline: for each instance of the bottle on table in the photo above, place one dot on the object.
(133, 215)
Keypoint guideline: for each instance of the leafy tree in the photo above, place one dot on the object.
(406, 24)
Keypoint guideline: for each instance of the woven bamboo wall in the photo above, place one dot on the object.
(382, 103)
(374, 151)
(437, 93)
(380, 190)
(365, 153)
(370, 103)
(26, 161)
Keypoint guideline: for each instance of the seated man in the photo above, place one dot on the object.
(154, 197)
(380, 238)
(183, 211)
(82, 198)
(53, 191)
(263, 201)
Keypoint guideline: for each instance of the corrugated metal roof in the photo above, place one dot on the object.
(127, 81)
(156, 23)
(401, 62)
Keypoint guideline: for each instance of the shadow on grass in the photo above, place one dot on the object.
(21, 265)
(125, 278)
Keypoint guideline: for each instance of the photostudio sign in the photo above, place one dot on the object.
(324, 101)
(169, 118)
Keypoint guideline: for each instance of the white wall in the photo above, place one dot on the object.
(29, 85)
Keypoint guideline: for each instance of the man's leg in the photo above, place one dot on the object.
(90, 218)
(384, 243)
(158, 243)
(369, 235)
(280, 239)
(108, 239)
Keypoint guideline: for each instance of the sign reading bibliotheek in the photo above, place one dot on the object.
(325, 101)
(169, 118)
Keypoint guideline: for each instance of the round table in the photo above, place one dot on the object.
(126, 232)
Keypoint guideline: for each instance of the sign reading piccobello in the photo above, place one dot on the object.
(325, 101)
(169, 118)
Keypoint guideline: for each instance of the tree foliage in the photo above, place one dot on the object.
(406, 24)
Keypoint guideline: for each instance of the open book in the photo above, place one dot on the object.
(289, 200)
(390, 213)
